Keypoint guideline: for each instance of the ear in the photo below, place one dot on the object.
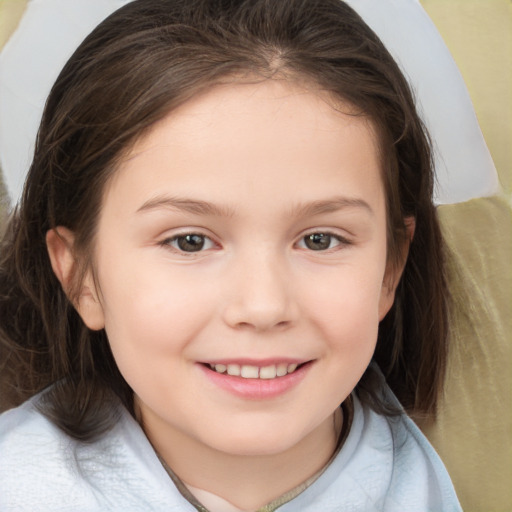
(60, 245)
(394, 271)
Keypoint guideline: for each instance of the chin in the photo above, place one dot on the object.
(253, 442)
(258, 448)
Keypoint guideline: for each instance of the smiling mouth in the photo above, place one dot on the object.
(245, 371)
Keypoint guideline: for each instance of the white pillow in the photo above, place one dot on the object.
(50, 30)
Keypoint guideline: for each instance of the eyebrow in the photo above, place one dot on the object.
(198, 207)
(331, 205)
(193, 206)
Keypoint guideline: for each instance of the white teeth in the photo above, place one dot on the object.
(249, 372)
(282, 369)
(234, 369)
(268, 372)
(254, 372)
(220, 368)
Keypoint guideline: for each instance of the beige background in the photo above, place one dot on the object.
(473, 432)
(479, 36)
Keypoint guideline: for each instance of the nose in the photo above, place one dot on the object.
(260, 296)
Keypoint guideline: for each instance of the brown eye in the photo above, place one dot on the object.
(318, 241)
(189, 243)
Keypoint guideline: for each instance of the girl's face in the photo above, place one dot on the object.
(245, 234)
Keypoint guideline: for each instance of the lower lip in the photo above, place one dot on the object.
(256, 389)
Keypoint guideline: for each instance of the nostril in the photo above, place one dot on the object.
(244, 325)
(260, 326)
(260, 312)
(283, 324)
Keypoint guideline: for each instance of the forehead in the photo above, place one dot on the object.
(298, 99)
(254, 135)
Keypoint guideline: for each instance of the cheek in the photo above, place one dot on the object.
(150, 327)
(152, 311)
(346, 309)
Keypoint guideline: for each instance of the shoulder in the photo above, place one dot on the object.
(42, 469)
(385, 465)
(417, 477)
(24, 433)
(407, 472)
(33, 454)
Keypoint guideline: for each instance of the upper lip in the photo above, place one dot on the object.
(256, 362)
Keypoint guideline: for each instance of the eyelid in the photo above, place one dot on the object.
(182, 232)
(343, 240)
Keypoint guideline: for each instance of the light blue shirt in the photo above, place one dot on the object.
(386, 464)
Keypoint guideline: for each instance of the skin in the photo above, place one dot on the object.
(254, 168)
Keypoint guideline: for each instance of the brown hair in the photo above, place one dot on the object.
(137, 66)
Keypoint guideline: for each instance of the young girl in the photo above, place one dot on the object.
(227, 231)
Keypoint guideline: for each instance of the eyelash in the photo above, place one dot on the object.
(168, 242)
(206, 240)
(342, 241)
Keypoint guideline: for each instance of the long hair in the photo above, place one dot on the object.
(136, 67)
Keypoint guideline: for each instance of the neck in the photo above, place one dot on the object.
(248, 482)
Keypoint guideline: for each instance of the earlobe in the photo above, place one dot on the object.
(394, 271)
(387, 297)
(60, 244)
